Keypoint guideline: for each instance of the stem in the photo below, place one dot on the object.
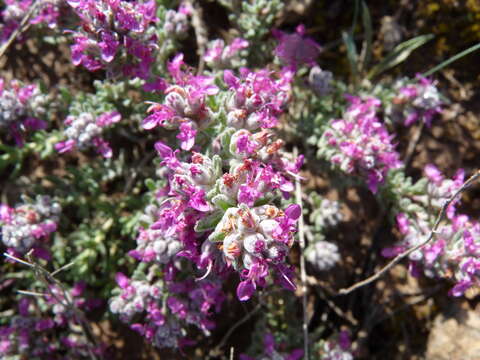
(413, 143)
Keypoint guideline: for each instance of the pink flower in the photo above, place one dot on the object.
(102, 147)
(6, 213)
(109, 118)
(187, 135)
(65, 146)
(109, 46)
(122, 280)
(433, 174)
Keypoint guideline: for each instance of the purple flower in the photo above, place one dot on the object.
(245, 290)
(197, 200)
(6, 213)
(102, 147)
(28, 224)
(293, 212)
(296, 49)
(177, 307)
(460, 288)
(108, 46)
(44, 324)
(432, 252)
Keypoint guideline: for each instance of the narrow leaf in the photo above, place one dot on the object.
(399, 54)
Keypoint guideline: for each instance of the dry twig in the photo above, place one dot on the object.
(201, 33)
(303, 273)
(217, 350)
(21, 27)
(48, 279)
(404, 254)
(340, 313)
(413, 143)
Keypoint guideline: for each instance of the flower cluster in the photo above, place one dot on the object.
(418, 101)
(271, 351)
(323, 255)
(339, 348)
(85, 131)
(152, 245)
(320, 81)
(176, 22)
(219, 56)
(326, 213)
(15, 10)
(184, 107)
(20, 107)
(455, 251)
(415, 221)
(162, 309)
(25, 224)
(359, 144)
(215, 211)
(254, 240)
(33, 334)
(115, 35)
(257, 98)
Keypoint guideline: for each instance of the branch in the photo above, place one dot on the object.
(21, 27)
(399, 257)
(48, 279)
(201, 32)
(217, 349)
(303, 273)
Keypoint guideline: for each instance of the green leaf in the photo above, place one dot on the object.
(451, 60)
(217, 236)
(399, 54)
(351, 52)
(222, 201)
(150, 184)
(209, 222)
(217, 165)
(66, 95)
(226, 137)
(367, 44)
(420, 187)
